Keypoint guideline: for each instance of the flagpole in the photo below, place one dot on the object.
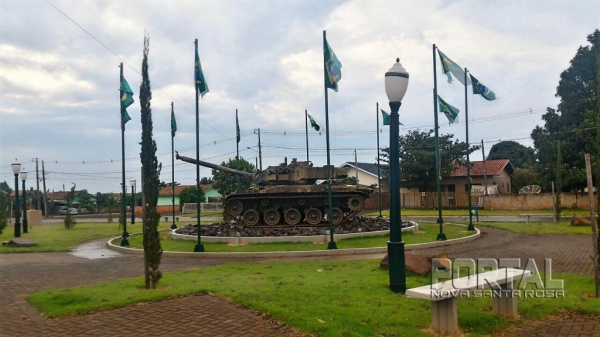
(378, 165)
(441, 236)
(125, 236)
(237, 146)
(173, 226)
(471, 228)
(331, 244)
(306, 125)
(199, 247)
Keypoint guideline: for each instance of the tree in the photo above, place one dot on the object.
(4, 187)
(227, 183)
(110, 202)
(206, 181)
(151, 182)
(86, 200)
(346, 181)
(523, 177)
(519, 155)
(69, 222)
(188, 195)
(417, 158)
(4, 208)
(574, 123)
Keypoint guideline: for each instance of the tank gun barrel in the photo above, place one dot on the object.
(214, 166)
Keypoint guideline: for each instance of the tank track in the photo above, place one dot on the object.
(298, 209)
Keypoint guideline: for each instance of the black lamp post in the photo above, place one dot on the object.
(16, 168)
(132, 183)
(125, 235)
(396, 83)
(23, 178)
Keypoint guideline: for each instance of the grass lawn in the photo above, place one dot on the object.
(482, 212)
(202, 214)
(327, 298)
(57, 238)
(563, 227)
(427, 233)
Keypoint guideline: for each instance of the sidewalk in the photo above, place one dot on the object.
(205, 315)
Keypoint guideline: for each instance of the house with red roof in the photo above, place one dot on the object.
(165, 197)
(495, 174)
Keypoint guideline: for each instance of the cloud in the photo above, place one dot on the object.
(59, 83)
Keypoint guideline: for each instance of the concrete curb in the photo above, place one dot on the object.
(245, 240)
(335, 252)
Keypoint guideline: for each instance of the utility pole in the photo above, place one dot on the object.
(356, 166)
(257, 131)
(45, 196)
(37, 183)
(484, 170)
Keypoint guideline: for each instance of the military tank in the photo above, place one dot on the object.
(287, 195)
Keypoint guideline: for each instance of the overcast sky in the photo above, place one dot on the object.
(59, 77)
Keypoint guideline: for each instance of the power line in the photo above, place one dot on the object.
(125, 62)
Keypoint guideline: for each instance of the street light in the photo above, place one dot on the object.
(132, 183)
(23, 178)
(16, 168)
(396, 83)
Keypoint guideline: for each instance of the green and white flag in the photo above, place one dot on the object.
(126, 99)
(333, 67)
(199, 76)
(173, 123)
(386, 118)
(448, 110)
(480, 89)
(451, 67)
(313, 123)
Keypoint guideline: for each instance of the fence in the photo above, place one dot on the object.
(204, 207)
(429, 200)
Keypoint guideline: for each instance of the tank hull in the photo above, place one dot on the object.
(283, 206)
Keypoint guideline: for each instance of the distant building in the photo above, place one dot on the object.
(165, 195)
(367, 172)
(493, 174)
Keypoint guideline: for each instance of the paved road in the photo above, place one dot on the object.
(204, 315)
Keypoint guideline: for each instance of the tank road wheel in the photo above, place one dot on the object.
(292, 216)
(272, 217)
(251, 217)
(314, 216)
(337, 215)
(355, 204)
(234, 207)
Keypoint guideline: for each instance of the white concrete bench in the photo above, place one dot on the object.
(443, 295)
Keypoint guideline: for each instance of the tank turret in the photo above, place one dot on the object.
(288, 195)
(295, 173)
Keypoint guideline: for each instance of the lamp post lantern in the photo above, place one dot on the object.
(23, 178)
(16, 168)
(132, 184)
(396, 83)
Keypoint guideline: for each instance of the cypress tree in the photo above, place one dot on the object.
(150, 179)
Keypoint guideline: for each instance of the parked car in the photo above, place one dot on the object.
(72, 211)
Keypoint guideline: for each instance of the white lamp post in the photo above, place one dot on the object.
(16, 168)
(396, 83)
